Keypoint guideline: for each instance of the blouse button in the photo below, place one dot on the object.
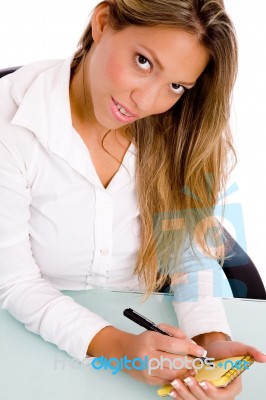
(104, 252)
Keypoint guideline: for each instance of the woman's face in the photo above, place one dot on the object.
(139, 71)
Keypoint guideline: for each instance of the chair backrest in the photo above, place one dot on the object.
(243, 276)
(6, 71)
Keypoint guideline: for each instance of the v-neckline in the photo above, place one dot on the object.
(131, 150)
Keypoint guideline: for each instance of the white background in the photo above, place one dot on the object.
(32, 30)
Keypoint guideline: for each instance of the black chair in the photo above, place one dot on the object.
(7, 71)
(243, 276)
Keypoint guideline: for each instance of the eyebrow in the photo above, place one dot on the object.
(162, 67)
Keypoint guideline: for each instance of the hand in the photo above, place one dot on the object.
(219, 345)
(156, 346)
(192, 390)
(113, 343)
(218, 349)
(224, 349)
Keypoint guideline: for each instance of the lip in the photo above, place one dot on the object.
(119, 116)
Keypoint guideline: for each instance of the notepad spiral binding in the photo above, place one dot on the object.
(235, 372)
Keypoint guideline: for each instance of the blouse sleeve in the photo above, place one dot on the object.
(57, 318)
(198, 293)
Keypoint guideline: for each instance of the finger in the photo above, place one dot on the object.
(199, 390)
(190, 390)
(176, 332)
(169, 374)
(175, 395)
(178, 346)
(165, 368)
(229, 392)
(235, 387)
(171, 366)
(172, 361)
(156, 381)
(257, 354)
(237, 349)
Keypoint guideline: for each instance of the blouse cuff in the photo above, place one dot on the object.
(202, 316)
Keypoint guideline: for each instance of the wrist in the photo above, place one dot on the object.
(206, 338)
(109, 342)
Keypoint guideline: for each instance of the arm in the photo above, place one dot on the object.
(23, 291)
(205, 339)
(197, 295)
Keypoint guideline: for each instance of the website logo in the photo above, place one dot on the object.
(152, 364)
(116, 365)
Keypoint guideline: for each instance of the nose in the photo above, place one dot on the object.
(146, 98)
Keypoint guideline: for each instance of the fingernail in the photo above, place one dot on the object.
(203, 385)
(176, 384)
(201, 353)
(193, 372)
(172, 394)
(188, 381)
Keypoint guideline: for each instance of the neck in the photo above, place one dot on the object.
(81, 105)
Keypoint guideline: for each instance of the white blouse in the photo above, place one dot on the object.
(60, 229)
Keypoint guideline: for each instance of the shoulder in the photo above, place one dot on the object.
(15, 85)
(30, 97)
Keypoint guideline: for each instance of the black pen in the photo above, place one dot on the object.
(146, 323)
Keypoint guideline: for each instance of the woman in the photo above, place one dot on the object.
(94, 151)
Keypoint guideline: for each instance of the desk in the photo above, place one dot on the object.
(32, 369)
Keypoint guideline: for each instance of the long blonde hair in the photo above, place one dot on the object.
(185, 154)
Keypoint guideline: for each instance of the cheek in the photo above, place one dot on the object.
(165, 103)
(116, 73)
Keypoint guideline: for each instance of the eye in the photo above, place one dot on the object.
(143, 63)
(176, 88)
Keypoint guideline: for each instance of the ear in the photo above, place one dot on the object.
(100, 21)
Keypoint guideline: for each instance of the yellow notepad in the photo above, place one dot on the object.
(220, 376)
